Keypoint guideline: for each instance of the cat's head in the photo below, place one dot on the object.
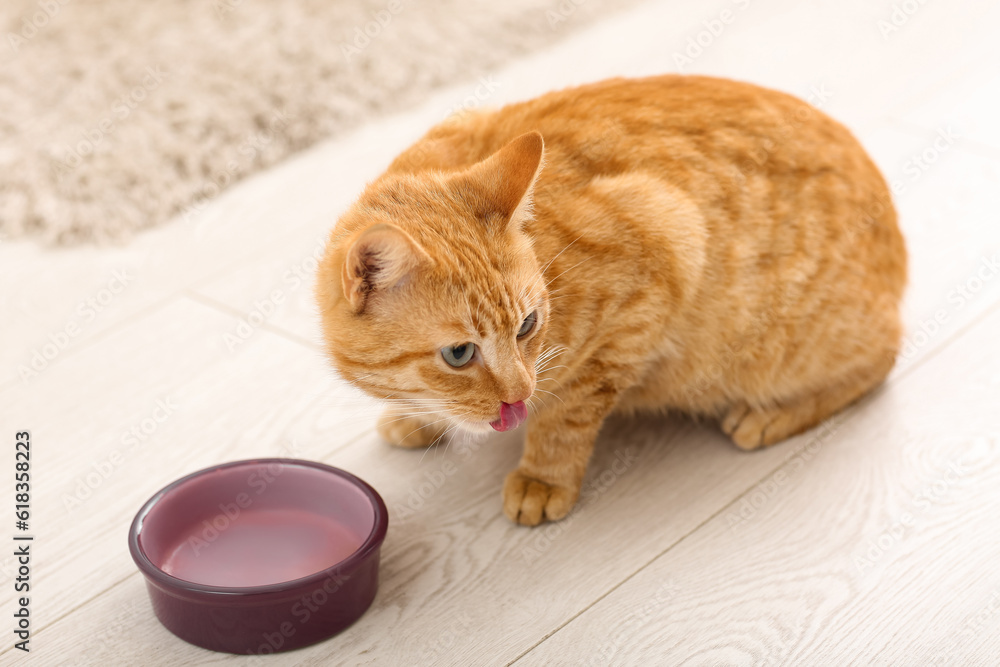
(429, 290)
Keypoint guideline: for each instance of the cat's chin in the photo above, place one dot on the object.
(479, 428)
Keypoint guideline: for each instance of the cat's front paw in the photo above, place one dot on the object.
(408, 431)
(751, 428)
(529, 501)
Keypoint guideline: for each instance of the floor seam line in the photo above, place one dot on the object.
(142, 313)
(226, 309)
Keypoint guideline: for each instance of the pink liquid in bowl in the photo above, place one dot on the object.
(268, 546)
(256, 526)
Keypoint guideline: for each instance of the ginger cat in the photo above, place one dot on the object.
(670, 243)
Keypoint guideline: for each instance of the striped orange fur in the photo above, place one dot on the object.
(687, 243)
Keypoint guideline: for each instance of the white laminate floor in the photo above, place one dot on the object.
(873, 541)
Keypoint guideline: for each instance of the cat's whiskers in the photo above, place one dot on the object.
(410, 415)
(424, 401)
(539, 290)
(422, 427)
(554, 349)
(416, 407)
(447, 443)
(549, 353)
(457, 422)
(551, 379)
(550, 394)
(543, 363)
(403, 404)
(420, 402)
(532, 406)
(547, 368)
(468, 435)
(585, 259)
(549, 263)
(532, 293)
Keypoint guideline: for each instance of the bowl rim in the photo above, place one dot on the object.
(171, 583)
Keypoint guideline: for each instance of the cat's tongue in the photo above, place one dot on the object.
(511, 416)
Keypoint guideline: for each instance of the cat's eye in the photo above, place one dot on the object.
(458, 355)
(527, 325)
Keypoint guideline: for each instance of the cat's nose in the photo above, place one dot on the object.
(517, 398)
(514, 384)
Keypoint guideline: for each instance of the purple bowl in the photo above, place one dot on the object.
(260, 556)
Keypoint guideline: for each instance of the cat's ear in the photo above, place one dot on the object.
(380, 258)
(502, 184)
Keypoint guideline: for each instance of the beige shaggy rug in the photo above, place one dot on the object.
(115, 115)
